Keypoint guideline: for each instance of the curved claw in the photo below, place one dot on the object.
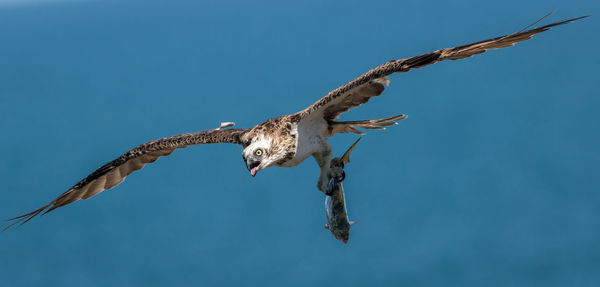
(341, 178)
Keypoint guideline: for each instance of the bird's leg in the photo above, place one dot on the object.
(324, 161)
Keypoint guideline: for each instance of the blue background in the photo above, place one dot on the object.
(493, 180)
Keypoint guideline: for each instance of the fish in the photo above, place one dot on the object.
(335, 202)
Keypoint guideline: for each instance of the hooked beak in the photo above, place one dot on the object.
(252, 166)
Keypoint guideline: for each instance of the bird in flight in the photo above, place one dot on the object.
(288, 140)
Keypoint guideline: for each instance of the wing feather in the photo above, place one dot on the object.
(361, 89)
(114, 172)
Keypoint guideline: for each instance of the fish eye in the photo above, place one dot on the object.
(258, 152)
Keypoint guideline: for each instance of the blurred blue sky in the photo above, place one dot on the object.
(493, 180)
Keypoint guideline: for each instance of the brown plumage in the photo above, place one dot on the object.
(288, 140)
(114, 172)
(361, 89)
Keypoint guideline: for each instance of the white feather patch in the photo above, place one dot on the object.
(383, 80)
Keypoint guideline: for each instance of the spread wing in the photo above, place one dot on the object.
(370, 84)
(114, 172)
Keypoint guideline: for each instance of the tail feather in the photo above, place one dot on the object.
(336, 127)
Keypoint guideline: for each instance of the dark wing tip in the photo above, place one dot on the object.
(566, 21)
(22, 219)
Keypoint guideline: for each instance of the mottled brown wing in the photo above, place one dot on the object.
(361, 89)
(114, 172)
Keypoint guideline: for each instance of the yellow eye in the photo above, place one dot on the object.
(258, 152)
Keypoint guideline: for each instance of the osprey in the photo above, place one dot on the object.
(288, 140)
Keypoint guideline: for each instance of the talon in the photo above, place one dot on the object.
(342, 177)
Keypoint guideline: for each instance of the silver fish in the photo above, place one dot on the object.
(335, 203)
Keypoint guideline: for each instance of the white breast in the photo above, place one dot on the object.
(310, 139)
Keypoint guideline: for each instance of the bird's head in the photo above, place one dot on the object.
(258, 154)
